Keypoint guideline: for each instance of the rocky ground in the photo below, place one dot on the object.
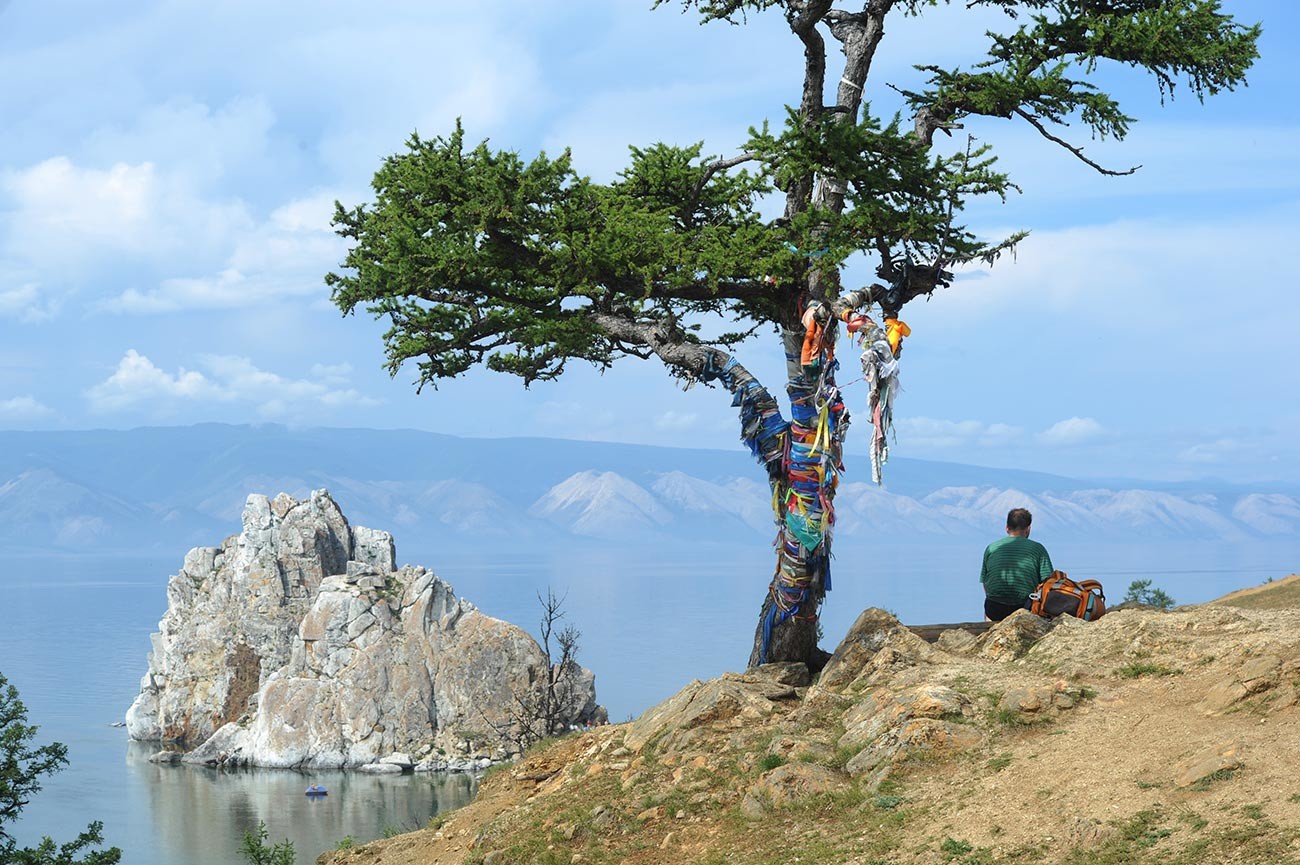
(1145, 737)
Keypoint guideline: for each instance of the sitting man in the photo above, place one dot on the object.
(1013, 567)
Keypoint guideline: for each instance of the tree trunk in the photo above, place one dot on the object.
(787, 625)
(803, 496)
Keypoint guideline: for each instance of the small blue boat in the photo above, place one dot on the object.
(317, 791)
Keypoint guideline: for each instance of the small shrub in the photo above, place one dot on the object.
(257, 853)
(770, 762)
(347, 842)
(887, 803)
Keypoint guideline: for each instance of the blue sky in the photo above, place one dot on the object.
(168, 170)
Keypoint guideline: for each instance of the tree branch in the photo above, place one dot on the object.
(720, 165)
(1077, 151)
(762, 426)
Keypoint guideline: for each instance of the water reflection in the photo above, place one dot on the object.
(200, 815)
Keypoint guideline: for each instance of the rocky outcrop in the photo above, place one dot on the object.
(1144, 737)
(298, 643)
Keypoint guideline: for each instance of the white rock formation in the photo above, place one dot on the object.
(298, 644)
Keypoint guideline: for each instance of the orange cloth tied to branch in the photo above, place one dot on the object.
(813, 334)
(895, 330)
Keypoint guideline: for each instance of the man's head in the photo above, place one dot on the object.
(1018, 521)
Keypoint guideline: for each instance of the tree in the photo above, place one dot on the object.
(21, 768)
(1141, 592)
(478, 257)
(550, 702)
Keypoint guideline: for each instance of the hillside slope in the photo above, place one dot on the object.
(1275, 595)
(1145, 737)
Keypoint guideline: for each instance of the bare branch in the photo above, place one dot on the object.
(1077, 151)
(721, 165)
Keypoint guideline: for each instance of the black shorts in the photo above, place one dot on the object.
(999, 610)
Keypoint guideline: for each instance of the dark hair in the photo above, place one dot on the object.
(1019, 519)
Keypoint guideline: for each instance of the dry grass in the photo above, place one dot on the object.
(1283, 594)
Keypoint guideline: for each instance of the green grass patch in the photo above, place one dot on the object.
(1000, 762)
(1194, 821)
(1213, 778)
(770, 762)
(952, 847)
(961, 852)
(842, 756)
(1009, 718)
(1138, 669)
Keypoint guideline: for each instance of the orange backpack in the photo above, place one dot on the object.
(1059, 595)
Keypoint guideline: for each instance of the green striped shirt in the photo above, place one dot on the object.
(1013, 567)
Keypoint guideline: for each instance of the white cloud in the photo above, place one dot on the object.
(1130, 279)
(574, 420)
(1208, 453)
(1001, 434)
(676, 420)
(286, 256)
(27, 303)
(138, 383)
(204, 143)
(926, 432)
(22, 409)
(69, 222)
(937, 433)
(336, 373)
(1072, 431)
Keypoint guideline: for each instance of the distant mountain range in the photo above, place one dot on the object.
(168, 488)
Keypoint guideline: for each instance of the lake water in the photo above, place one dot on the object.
(74, 633)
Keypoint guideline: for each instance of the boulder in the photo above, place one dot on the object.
(730, 701)
(1212, 764)
(789, 784)
(1012, 637)
(298, 644)
(876, 647)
